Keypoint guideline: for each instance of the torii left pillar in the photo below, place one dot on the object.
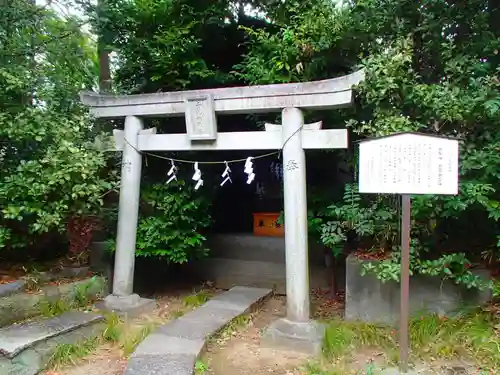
(123, 299)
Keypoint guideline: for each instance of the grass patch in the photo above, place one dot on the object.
(119, 333)
(196, 299)
(200, 368)
(70, 353)
(125, 335)
(336, 369)
(53, 308)
(177, 314)
(80, 297)
(342, 337)
(238, 323)
(133, 336)
(470, 336)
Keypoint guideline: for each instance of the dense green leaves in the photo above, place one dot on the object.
(173, 222)
(430, 66)
(51, 170)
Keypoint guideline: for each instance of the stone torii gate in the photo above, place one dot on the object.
(200, 108)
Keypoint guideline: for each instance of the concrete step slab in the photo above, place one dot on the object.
(27, 348)
(11, 288)
(17, 337)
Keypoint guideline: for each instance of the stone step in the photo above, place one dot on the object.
(174, 348)
(10, 288)
(18, 286)
(26, 348)
(20, 306)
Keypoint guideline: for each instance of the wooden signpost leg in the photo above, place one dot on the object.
(405, 282)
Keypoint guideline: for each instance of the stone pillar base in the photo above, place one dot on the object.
(304, 337)
(129, 306)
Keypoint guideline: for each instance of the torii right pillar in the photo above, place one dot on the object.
(296, 331)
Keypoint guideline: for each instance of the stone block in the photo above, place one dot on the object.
(370, 300)
(396, 371)
(16, 338)
(239, 298)
(209, 311)
(253, 261)
(11, 288)
(304, 337)
(8, 368)
(160, 344)
(191, 329)
(21, 306)
(170, 364)
(75, 271)
(98, 261)
(129, 306)
(33, 360)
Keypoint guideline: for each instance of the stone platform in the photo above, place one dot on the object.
(25, 349)
(12, 288)
(254, 261)
(174, 348)
(19, 306)
(370, 300)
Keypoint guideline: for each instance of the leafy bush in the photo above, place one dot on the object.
(50, 170)
(172, 223)
(372, 221)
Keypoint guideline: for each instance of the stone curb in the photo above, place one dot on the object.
(11, 288)
(174, 348)
(20, 306)
(25, 349)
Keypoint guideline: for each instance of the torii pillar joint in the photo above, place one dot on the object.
(297, 331)
(123, 299)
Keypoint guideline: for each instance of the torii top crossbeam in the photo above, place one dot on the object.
(325, 94)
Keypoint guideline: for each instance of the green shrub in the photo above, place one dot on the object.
(172, 222)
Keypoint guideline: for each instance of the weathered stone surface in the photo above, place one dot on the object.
(192, 329)
(33, 360)
(325, 94)
(159, 344)
(396, 371)
(247, 260)
(238, 298)
(216, 312)
(11, 288)
(369, 300)
(166, 364)
(306, 337)
(75, 271)
(175, 346)
(8, 368)
(21, 306)
(129, 306)
(16, 338)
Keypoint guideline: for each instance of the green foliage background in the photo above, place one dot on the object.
(431, 67)
(50, 169)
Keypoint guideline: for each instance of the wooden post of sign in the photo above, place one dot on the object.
(405, 282)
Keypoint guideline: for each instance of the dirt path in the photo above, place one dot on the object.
(236, 351)
(241, 352)
(106, 361)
